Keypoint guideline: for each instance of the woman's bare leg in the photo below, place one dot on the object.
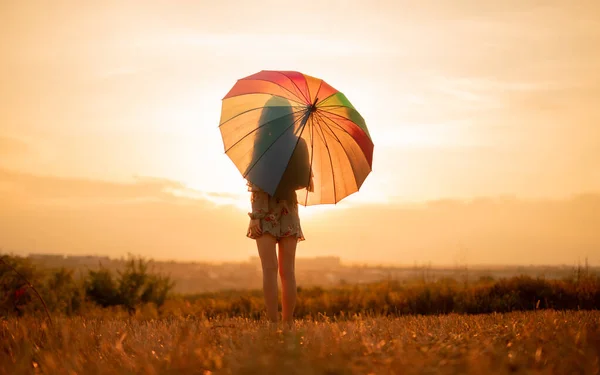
(287, 272)
(268, 257)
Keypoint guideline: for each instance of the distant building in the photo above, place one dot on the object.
(46, 256)
(316, 263)
(88, 257)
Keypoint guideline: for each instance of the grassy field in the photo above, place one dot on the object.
(544, 342)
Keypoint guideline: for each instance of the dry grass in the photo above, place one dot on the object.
(546, 342)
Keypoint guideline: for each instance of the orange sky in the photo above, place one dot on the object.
(463, 100)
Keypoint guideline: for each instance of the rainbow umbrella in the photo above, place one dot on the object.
(287, 131)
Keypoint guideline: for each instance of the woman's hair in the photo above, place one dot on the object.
(276, 117)
(279, 132)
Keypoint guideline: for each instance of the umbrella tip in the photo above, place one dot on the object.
(313, 107)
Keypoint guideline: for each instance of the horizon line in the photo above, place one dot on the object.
(372, 264)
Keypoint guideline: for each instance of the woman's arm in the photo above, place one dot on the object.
(260, 204)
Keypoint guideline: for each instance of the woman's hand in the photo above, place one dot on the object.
(254, 228)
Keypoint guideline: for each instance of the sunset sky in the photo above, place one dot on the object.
(108, 104)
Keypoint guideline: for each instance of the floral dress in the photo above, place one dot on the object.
(278, 217)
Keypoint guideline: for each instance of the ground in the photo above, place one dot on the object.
(544, 342)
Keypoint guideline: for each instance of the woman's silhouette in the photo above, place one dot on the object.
(281, 162)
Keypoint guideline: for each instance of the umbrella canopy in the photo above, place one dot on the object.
(287, 131)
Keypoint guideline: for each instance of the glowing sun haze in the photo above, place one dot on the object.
(108, 103)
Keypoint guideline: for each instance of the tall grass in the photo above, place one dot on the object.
(391, 298)
(543, 342)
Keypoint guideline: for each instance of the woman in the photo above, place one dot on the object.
(279, 150)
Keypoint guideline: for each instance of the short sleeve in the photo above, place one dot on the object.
(260, 202)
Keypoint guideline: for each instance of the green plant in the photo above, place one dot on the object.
(134, 286)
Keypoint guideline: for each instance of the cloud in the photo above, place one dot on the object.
(505, 230)
(71, 215)
(77, 191)
(494, 230)
(214, 197)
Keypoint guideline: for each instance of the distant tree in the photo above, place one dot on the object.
(101, 288)
(63, 292)
(135, 285)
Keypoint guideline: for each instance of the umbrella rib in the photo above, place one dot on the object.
(333, 106)
(318, 89)
(254, 109)
(266, 93)
(329, 108)
(256, 129)
(330, 164)
(321, 135)
(339, 127)
(324, 99)
(349, 119)
(307, 114)
(343, 148)
(345, 131)
(294, 83)
(271, 145)
(312, 156)
(336, 126)
(273, 82)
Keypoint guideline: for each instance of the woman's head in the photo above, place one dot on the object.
(273, 138)
(276, 121)
(275, 154)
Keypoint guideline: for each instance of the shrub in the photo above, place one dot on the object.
(101, 288)
(16, 297)
(134, 286)
(62, 292)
